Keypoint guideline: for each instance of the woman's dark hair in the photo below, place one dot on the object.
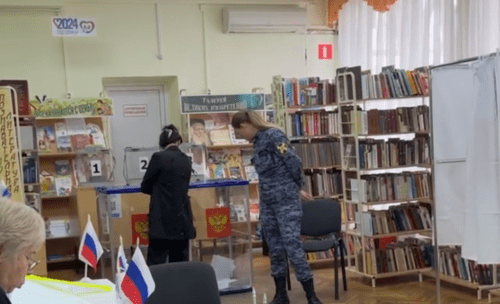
(169, 135)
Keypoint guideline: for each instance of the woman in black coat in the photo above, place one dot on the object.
(170, 216)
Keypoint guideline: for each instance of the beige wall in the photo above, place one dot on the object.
(126, 46)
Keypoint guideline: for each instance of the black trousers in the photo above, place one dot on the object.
(176, 250)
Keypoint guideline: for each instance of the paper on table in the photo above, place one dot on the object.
(224, 283)
(35, 293)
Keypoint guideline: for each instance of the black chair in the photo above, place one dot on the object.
(184, 283)
(321, 218)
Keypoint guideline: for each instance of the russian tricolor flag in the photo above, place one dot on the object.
(90, 248)
(137, 284)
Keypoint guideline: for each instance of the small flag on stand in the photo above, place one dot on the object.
(90, 248)
(137, 284)
(121, 259)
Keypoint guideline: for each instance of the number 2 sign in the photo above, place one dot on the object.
(143, 163)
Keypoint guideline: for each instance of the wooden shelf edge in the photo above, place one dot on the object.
(377, 236)
(464, 283)
(390, 274)
(422, 199)
(55, 197)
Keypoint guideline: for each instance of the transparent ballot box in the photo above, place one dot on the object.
(221, 213)
(221, 217)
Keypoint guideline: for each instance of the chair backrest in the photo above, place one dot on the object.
(320, 217)
(184, 283)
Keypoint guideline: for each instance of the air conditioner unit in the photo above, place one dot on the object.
(283, 19)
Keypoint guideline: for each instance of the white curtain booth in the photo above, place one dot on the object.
(466, 140)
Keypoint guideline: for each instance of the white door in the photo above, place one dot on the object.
(139, 115)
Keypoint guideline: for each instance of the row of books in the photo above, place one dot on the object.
(390, 187)
(396, 258)
(308, 91)
(405, 217)
(71, 135)
(312, 123)
(453, 264)
(324, 183)
(390, 83)
(321, 255)
(399, 120)
(228, 163)
(389, 153)
(29, 170)
(318, 154)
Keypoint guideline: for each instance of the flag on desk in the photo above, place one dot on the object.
(137, 284)
(90, 248)
(121, 260)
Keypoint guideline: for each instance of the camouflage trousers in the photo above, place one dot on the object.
(280, 215)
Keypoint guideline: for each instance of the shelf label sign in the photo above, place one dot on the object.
(324, 51)
(9, 158)
(73, 27)
(143, 163)
(221, 103)
(95, 167)
(76, 107)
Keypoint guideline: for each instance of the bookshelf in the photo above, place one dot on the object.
(310, 121)
(386, 180)
(72, 152)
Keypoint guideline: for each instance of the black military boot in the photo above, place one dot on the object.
(310, 294)
(280, 297)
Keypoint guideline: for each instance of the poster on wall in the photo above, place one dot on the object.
(81, 107)
(9, 158)
(221, 103)
(73, 27)
(140, 224)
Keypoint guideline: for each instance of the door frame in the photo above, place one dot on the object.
(143, 87)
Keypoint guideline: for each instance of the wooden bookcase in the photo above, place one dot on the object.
(385, 171)
(64, 209)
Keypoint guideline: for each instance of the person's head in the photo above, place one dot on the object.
(22, 233)
(198, 127)
(170, 135)
(247, 123)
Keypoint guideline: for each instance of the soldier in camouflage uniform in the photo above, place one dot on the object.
(280, 180)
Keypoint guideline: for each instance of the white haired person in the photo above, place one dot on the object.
(22, 233)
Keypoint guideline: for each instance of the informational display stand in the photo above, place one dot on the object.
(221, 216)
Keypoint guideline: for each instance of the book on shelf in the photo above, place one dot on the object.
(454, 265)
(251, 174)
(46, 139)
(254, 210)
(391, 153)
(47, 183)
(307, 91)
(29, 170)
(312, 123)
(96, 135)
(62, 137)
(394, 257)
(394, 83)
(323, 183)
(405, 217)
(390, 187)
(323, 153)
(63, 182)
